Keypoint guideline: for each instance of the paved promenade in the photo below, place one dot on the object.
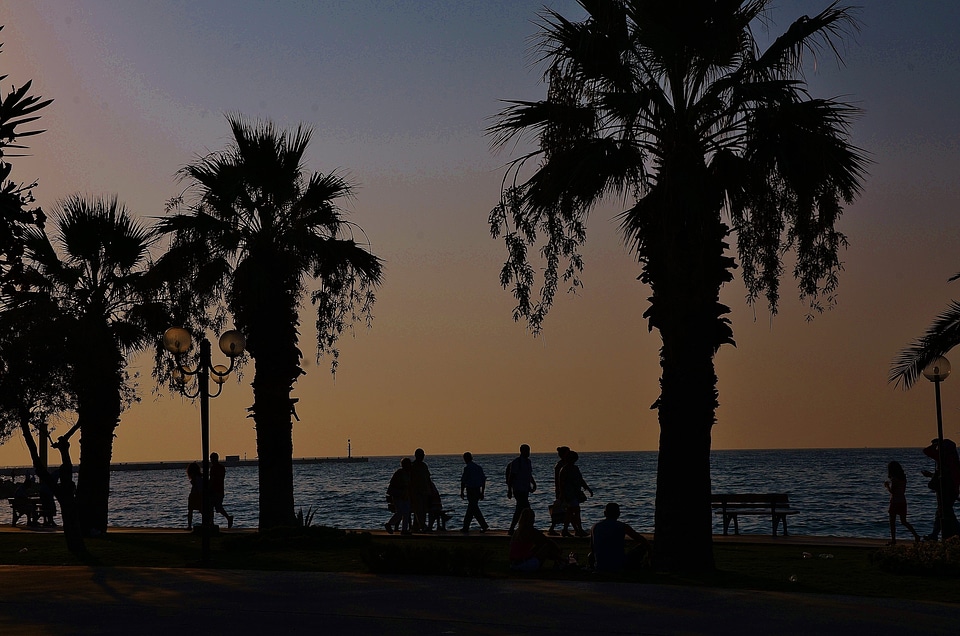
(85, 600)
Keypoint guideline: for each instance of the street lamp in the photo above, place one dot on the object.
(177, 341)
(937, 371)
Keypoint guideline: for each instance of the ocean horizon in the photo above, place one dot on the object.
(838, 492)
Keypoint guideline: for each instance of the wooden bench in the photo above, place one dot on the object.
(28, 507)
(731, 506)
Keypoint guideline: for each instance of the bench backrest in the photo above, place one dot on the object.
(772, 498)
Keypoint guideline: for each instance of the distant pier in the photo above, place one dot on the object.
(230, 460)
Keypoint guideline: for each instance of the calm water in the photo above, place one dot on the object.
(839, 492)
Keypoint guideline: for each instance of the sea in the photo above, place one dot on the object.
(838, 492)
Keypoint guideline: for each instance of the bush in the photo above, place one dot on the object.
(928, 557)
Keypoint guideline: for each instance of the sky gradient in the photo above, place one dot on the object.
(399, 94)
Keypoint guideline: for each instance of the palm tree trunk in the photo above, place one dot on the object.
(272, 413)
(277, 361)
(686, 267)
(683, 524)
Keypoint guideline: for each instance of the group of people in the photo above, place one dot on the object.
(415, 502)
(944, 482)
(217, 479)
(413, 498)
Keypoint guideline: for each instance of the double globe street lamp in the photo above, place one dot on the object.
(937, 371)
(177, 341)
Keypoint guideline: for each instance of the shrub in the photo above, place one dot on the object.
(928, 557)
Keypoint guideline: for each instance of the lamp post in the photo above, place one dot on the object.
(937, 371)
(177, 341)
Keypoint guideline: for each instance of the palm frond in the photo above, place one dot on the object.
(941, 336)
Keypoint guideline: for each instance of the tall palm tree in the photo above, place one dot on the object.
(258, 232)
(675, 108)
(941, 336)
(94, 275)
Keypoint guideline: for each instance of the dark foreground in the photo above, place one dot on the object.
(84, 600)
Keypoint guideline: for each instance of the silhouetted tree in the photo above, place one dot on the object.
(675, 107)
(95, 277)
(257, 233)
(941, 336)
(17, 109)
(34, 389)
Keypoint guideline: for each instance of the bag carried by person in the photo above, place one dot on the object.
(557, 511)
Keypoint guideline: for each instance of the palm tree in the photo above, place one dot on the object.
(17, 109)
(95, 277)
(675, 107)
(941, 336)
(258, 232)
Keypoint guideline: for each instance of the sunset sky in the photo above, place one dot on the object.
(399, 94)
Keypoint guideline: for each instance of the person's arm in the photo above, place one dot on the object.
(463, 478)
(509, 481)
(533, 484)
(483, 483)
(630, 532)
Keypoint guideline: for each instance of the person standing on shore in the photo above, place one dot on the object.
(896, 485)
(557, 514)
(419, 491)
(520, 483)
(218, 478)
(398, 499)
(195, 498)
(474, 482)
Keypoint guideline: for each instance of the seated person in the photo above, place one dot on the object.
(22, 504)
(608, 544)
(529, 547)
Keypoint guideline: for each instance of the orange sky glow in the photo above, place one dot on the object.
(399, 98)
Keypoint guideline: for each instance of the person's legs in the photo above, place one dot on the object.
(893, 527)
(906, 524)
(523, 502)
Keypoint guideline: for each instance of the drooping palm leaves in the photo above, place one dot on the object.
(675, 107)
(941, 336)
(93, 276)
(257, 234)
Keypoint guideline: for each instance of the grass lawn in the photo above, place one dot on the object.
(782, 568)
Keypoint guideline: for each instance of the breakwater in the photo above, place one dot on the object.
(13, 471)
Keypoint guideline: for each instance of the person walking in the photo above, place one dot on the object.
(520, 483)
(572, 486)
(419, 491)
(557, 514)
(896, 485)
(474, 482)
(218, 477)
(398, 499)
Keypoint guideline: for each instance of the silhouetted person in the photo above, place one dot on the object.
(530, 548)
(474, 482)
(896, 485)
(419, 491)
(22, 504)
(218, 477)
(520, 483)
(398, 499)
(945, 482)
(195, 498)
(435, 513)
(557, 514)
(572, 486)
(608, 551)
